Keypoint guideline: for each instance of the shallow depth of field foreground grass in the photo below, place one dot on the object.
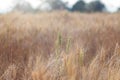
(60, 46)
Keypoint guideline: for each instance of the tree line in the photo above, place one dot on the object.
(51, 5)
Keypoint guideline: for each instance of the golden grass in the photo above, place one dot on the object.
(60, 46)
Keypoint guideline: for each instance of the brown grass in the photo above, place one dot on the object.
(60, 46)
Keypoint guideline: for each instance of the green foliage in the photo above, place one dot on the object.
(58, 43)
(79, 6)
(94, 6)
(118, 10)
(68, 44)
(81, 57)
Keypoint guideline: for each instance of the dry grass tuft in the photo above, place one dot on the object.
(64, 46)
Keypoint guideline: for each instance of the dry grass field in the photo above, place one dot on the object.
(60, 46)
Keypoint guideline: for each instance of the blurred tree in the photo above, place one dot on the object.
(95, 6)
(79, 6)
(118, 10)
(23, 6)
(49, 5)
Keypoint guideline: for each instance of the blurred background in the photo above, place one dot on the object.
(34, 6)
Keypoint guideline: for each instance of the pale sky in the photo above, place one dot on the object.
(7, 5)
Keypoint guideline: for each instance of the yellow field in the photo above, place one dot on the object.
(60, 46)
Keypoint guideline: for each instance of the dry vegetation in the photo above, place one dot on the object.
(59, 46)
